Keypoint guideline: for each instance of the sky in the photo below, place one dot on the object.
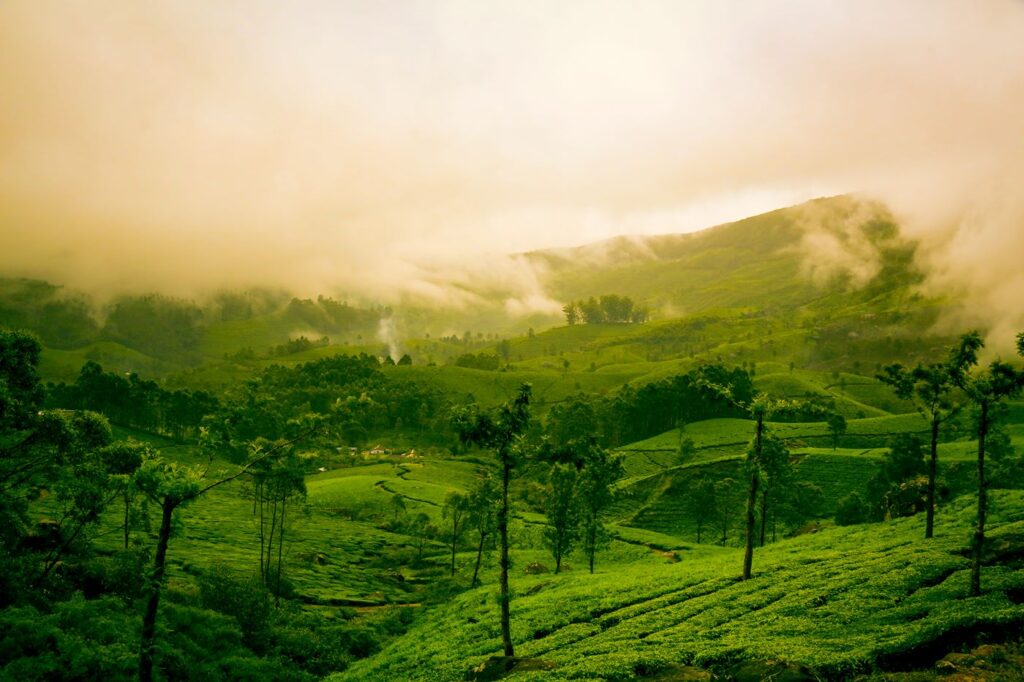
(323, 145)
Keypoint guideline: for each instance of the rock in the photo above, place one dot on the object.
(493, 668)
(777, 671)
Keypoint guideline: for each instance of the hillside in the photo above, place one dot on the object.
(746, 291)
(831, 604)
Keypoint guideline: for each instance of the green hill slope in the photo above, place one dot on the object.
(836, 603)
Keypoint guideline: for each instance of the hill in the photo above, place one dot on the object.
(743, 292)
(831, 604)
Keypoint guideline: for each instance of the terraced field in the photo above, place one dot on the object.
(839, 602)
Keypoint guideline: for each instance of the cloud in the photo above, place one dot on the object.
(379, 148)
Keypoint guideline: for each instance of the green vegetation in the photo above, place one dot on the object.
(757, 470)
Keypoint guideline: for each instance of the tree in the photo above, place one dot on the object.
(505, 349)
(275, 482)
(572, 313)
(725, 504)
(595, 494)
(837, 427)
(456, 508)
(80, 484)
(776, 485)
(850, 510)
(171, 485)
(930, 388)
(421, 530)
(591, 311)
(482, 503)
(123, 459)
(687, 449)
(563, 519)
(574, 420)
(701, 504)
(985, 388)
(398, 506)
(55, 450)
(755, 465)
(502, 432)
(895, 489)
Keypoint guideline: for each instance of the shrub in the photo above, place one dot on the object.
(850, 510)
(243, 598)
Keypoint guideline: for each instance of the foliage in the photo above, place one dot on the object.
(562, 511)
(609, 309)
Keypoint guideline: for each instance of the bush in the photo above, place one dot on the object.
(851, 510)
(243, 598)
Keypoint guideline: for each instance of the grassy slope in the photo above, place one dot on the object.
(839, 601)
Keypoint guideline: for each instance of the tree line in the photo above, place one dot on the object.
(609, 309)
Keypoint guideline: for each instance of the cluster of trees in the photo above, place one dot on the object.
(579, 491)
(635, 413)
(61, 319)
(67, 462)
(133, 401)
(163, 327)
(610, 309)
(348, 397)
(906, 482)
(580, 482)
(472, 514)
(299, 345)
(485, 361)
(328, 315)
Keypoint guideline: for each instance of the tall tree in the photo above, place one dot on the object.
(984, 388)
(503, 432)
(930, 388)
(776, 481)
(837, 427)
(123, 460)
(701, 504)
(727, 496)
(482, 503)
(572, 313)
(276, 481)
(595, 493)
(171, 486)
(755, 467)
(456, 509)
(563, 519)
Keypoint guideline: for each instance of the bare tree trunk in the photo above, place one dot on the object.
(764, 514)
(979, 533)
(929, 524)
(280, 549)
(127, 517)
(270, 540)
(592, 541)
(479, 555)
(263, 536)
(506, 630)
(755, 480)
(155, 587)
(455, 529)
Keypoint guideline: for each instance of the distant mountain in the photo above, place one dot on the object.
(763, 262)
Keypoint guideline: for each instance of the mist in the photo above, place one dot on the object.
(401, 150)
